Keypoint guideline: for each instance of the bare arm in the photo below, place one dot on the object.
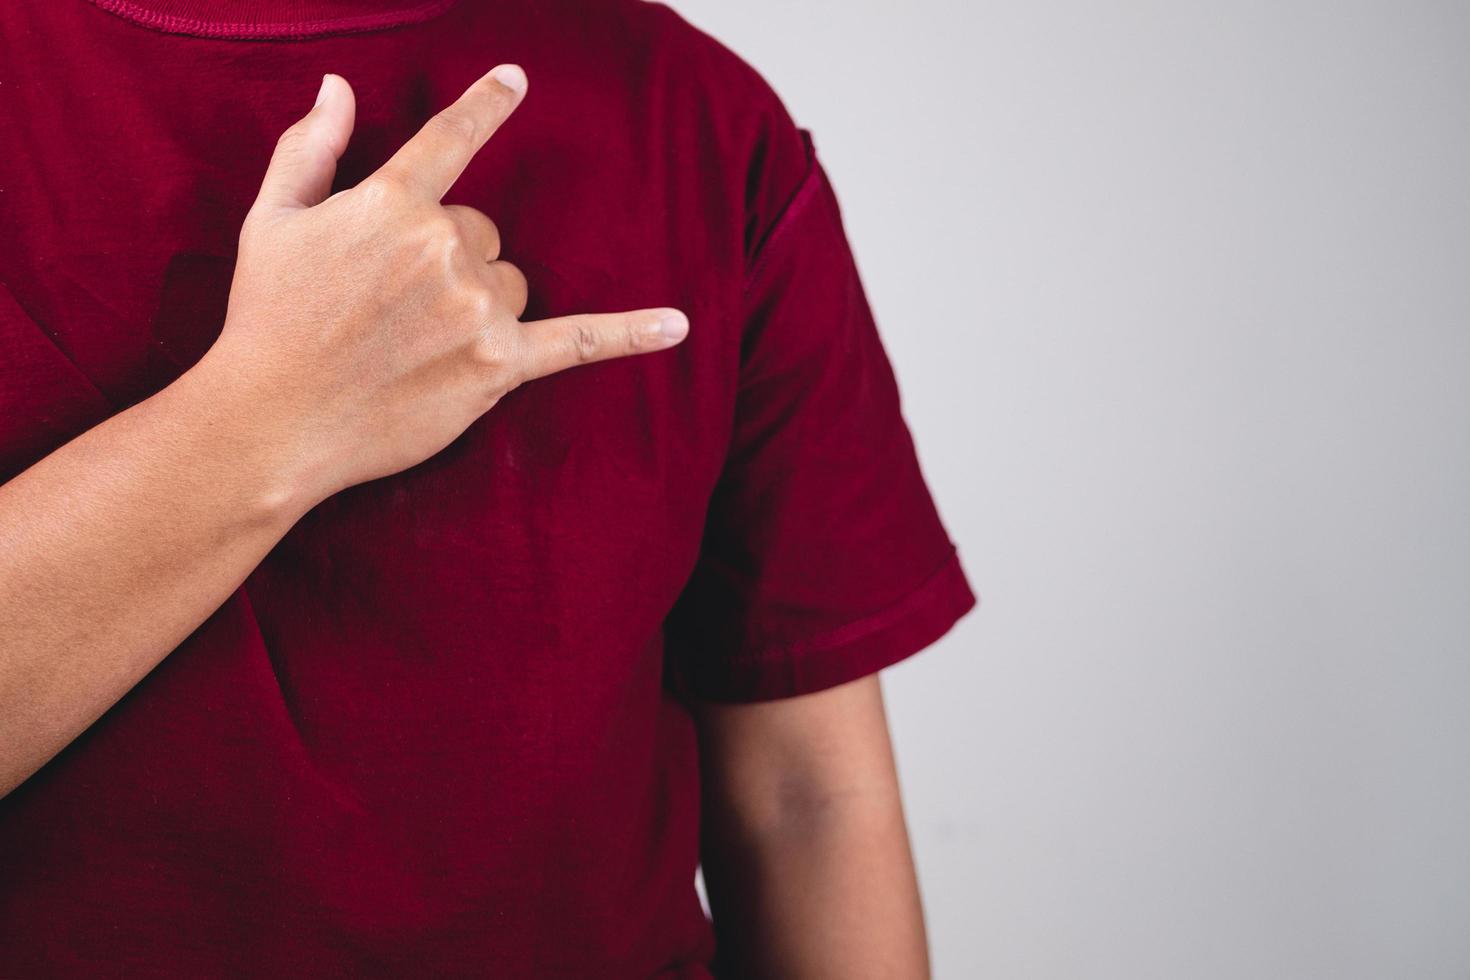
(366, 330)
(805, 850)
(119, 544)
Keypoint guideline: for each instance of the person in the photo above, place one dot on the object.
(438, 519)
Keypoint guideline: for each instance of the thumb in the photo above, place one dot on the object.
(563, 342)
(305, 159)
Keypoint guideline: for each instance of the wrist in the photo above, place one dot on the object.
(250, 448)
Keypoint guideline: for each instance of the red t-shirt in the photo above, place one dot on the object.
(442, 729)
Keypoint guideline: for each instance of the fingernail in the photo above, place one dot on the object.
(673, 326)
(321, 93)
(511, 76)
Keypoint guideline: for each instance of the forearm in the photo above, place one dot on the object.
(374, 325)
(118, 545)
(820, 884)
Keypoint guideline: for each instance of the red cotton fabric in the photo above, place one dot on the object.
(443, 729)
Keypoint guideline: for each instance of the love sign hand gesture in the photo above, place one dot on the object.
(376, 323)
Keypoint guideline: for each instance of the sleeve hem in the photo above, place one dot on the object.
(857, 649)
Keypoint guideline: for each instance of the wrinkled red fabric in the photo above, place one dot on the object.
(443, 729)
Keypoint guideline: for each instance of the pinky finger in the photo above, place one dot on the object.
(567, 341)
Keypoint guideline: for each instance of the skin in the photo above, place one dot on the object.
(804, 846)
(365, 331)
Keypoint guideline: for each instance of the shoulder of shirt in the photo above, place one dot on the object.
(723, 90)
(646, 31)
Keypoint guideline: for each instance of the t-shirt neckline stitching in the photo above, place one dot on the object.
(284, 30)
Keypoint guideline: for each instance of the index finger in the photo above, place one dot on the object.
(435, 156)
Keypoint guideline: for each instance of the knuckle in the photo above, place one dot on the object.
(478, 223)
(437, 225)
(437, 239)
(636, 339)
(511, 279)
(291, 137)
(492, 237)
(584, 341)
(455, 125)
(379, 189)
(479, 306)
(513, 274)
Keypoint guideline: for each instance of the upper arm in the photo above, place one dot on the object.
(769, 762)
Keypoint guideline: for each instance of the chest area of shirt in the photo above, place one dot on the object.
(594, 465)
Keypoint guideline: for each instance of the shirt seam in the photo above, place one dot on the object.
(792, 209)
(245, 30)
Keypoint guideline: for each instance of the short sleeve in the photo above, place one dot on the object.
(824, 557)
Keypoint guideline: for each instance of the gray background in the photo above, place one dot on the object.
(1178, 295)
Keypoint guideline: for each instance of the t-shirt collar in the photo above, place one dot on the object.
(273, 19)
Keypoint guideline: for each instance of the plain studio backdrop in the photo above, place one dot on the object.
(1178, 296)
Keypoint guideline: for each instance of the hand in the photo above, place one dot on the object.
(367, 329)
